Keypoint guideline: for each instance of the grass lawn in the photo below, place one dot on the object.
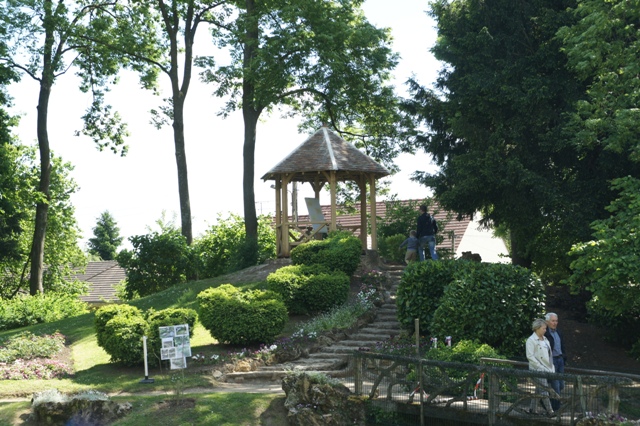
(220, 409)
(93, 371)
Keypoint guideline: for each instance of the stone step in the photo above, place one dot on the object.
(383, 325)
(371, 337)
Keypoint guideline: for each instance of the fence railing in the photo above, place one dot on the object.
(487, 393)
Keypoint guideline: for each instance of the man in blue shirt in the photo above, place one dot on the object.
(559, 355)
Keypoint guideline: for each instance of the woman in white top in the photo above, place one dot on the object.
(539, 356)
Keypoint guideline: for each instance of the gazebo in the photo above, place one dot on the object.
(323, 158)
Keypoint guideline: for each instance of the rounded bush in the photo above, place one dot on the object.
(421, 287)
(324, 291)
(288, 282)
(108, 312)
(490, 303)
(307, 289)
(340, 251)
(167, 317)
(242, 317)
(123, 339)
(388, 247)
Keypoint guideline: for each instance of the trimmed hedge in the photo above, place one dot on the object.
(307, 289)
(108, 312)
(123, 339)
(421, 287)
(242, 317)
(389, 248)
(340, 251)
(166, 317)
(120, 328)
(490, 303)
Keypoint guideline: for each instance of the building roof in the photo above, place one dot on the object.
(102, 277)
(325, 151)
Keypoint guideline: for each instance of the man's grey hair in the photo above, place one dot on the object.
(548, 315)
(537, 323)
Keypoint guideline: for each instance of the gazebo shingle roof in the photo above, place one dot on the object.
(325, 151)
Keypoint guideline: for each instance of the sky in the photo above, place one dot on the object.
(138, 188)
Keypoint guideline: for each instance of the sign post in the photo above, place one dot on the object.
(146, 365)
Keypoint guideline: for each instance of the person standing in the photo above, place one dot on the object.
(559, 355)
(427, 230)
(539, 355)
(411, 244)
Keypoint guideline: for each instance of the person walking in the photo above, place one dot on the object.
(412, 245)
(427, 230)
(559, 355)
(539, 356)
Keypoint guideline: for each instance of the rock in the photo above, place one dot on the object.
(87, 408)
(319, 400)
(243, 366)
(217, 374)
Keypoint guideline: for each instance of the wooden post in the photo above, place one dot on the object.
(358, 363)
(374, 219)
(332, 185)
(494, 399)
(285, 217)
(279, 249)
(614, 399)
(362, 184)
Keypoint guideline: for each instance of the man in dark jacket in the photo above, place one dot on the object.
(559, 355)
(427, 229)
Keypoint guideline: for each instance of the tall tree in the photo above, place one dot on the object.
(44, 39)
(168, 49)
(320, 58)
(61, 252)
(496, 123)
(602, 48)
(106, 238)
(10, 215)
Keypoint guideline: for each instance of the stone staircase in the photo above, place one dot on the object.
(333, 360)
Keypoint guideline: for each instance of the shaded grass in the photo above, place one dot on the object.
(223, 409)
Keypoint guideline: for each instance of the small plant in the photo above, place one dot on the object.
(374, 278)
(28, 346)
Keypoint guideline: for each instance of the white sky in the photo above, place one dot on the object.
(136, 189)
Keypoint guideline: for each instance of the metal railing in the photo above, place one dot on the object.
(485, 393)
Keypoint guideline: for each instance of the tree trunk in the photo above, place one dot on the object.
(42, 206)
(250, 113)
(179, 95)
(181, 162)
(516, 257)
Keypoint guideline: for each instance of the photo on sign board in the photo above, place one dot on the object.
(178, 363)
(181, 341)
(167, 332)
(182, 330)
(167, 342)
(168, 353)
(183, 350)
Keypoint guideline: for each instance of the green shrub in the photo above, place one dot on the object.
(123, 339)
(288, 281)
(157, 262)
(400, 217)
(421, 287)
(490, 303)
(242, 317)
(465, 351)
(106, 313)
(224, 248)
(340, 251)
(167, 317)
(22, 311)
(323, 291)
(307, 289)
(388, 247)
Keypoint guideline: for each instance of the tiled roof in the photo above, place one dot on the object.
(325, 151)
(102, 277)
(459, 227)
